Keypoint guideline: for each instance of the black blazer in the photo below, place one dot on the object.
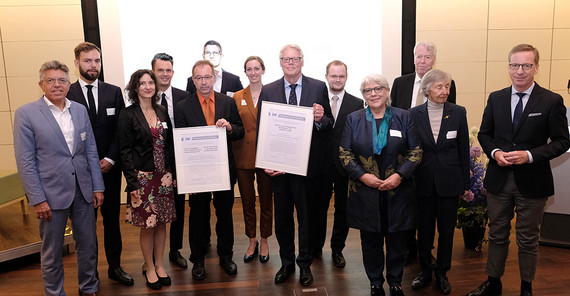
(110, 105)
(136, 143)
(543, 119)
(188, 113)
(349, 104)
(445, 164)
(230, 82)
(403, 88)
(313, 91)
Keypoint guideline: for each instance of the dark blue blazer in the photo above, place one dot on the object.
(403, 154)
(445, 164)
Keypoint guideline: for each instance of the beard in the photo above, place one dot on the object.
(86, 75)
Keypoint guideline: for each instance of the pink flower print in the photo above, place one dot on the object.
(153, 207)
(166, 180)
(129, 214)
(151, 221)
(475, 151)
(469, 197)
(135, 201)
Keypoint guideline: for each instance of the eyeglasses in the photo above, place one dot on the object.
(207, 77)
(515, 67)
(377, 90)
(61, 81)
(294, 60)
(216, 53)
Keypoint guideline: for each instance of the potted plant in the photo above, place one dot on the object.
(472, 210)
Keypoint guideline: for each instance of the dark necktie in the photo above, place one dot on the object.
(293, 95)
(518, 111)
(91, 101)
(163, 102)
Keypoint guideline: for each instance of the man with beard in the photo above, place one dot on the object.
(104, 102)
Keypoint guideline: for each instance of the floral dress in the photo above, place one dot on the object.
(156, 204)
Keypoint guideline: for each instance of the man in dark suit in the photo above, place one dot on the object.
(225, 82)
(293, 190)
(405, 92)
(170, 96)
(342, 104)
(59, 167)
(104, 102)
(441, 177)
(207, 107)
(524, 126)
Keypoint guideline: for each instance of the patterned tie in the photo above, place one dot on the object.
(293, 95)
(518, 111)
(334, 106)
(91, 101)
(163, 102)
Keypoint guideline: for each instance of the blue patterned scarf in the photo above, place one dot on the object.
(380, 137)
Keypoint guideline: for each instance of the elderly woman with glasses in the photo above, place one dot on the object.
(380, 150)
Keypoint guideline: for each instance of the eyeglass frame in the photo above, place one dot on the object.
(368, 91)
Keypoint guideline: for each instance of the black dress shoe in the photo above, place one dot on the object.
(263, 259)
(396, 291)
(377, 291)
(338, 259)
(487, 289)
(421, 280)
(198, 270)
(165, 281)
(119, 275)
(306, 278)
(177, 259)
(229, 266)
(155, 286)
(248, 258)
(442, 284)
(284, 272)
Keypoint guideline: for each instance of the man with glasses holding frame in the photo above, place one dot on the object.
(225, 82)
(524, 126)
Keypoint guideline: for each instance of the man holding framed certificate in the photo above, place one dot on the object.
(292, 190)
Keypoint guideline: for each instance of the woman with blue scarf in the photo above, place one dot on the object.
(380, 150)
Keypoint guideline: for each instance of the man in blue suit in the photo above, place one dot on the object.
(55, 148)
(293, 190)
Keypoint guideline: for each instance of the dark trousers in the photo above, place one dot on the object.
(111, 212)
(443, 211)
(177, 227)
(246, 178)
(373, 256)
(318, 199)
(340, 227)
(199, 223)
(290, 194)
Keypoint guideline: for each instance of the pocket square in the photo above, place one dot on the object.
(534, 114)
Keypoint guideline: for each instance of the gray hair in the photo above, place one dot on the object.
(378, 79)
(428, 45)
(293, 46)
(53, 65)
(432, 76)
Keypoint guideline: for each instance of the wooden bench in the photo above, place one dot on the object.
(11, 190)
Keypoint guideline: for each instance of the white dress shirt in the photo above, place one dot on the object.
(63, 118)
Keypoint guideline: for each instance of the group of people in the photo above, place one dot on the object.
(396, 161)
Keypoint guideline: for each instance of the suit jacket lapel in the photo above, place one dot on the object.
(533, 99)
(445, 122)
(304, 91)
(281, 87)
(76, 128)
(426, 125)
(142, 120)
(76, 91)
(197, 108)
(249, 101)
(44, 109)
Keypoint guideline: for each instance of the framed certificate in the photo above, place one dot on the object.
(284, 138)
(202, 163)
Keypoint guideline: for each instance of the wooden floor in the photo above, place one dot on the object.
(23, 276)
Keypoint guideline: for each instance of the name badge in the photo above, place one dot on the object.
(534, 114)
(243, 102)
(164, 125)
(110, 111)
(83, 136)
(395, 133)
(451, 135)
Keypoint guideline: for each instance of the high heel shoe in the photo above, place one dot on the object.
(165, 281)
(249, 258)
(156, 285)
(263, 259)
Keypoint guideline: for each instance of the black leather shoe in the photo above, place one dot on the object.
(421, 280)
(263, 259)
(526, 293)
(377, 291)
(229, 266)
(248, 258)
(165, 281)
(284, 272)
(338, 259)
(198, 270)
(306, 278)
(155, 286)
(442, 284)
(177, 259)
(487, 289)
(119, 275)
(396, 291)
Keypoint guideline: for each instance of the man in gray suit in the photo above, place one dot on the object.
(55, 148)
